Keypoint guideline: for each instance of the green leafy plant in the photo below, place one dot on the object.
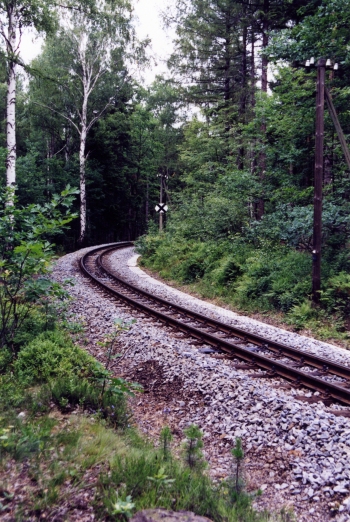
(161, 480)
(53, 354)
(192, 447)
(123, 508)
(115, 385)
(165, 439)
(237, 475)
(25, 252)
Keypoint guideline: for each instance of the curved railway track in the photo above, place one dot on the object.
(271, 359)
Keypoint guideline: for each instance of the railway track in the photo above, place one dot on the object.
(269, 358)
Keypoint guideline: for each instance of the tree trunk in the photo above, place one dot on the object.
(243, 97)
(264, 65)
(11, 103)
(82, 164)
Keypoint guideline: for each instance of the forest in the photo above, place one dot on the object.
(229, 131)
(229, 140)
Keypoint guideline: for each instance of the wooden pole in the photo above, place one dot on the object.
(337, 126)
(161, 201)
(317, 232)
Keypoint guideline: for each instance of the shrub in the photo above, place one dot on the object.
(22, 440)
(277, 278)
(50, 355)
(68, 392)
(5, 359)
(300, 314)
(12, 392)
(35, 323)
(25, 254)
(337, 294)
(192, 447)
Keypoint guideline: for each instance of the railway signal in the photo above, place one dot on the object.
(162, 208)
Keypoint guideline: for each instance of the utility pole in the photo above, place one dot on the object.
(321, 65)
(319, 140)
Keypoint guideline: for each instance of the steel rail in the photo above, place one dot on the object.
(273, 366)
(301, 356)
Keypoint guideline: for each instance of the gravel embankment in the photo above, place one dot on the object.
(297, 453)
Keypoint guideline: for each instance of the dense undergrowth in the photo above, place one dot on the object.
(267, 277)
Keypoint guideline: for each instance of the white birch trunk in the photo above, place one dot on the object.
(11, 103)
(92, 70)
(83, 135)
(82, 163)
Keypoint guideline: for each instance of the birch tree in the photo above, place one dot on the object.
(15, 16)
(80, 58)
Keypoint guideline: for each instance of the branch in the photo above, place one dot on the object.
(95, 118)
(64, 146)
(60, 114)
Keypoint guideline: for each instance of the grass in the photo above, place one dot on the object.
(59, 462)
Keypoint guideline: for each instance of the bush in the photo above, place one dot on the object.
(50, 355)
(25, 252)
(278, 279)
(5, 359)
(24, 440)
(337, 295)
(33, 325)
(68, 392)
(12, 393)
(299, 315)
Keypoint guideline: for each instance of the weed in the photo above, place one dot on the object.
(161, 480)
(119, 326)
(123, 508)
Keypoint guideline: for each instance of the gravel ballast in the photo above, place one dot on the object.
(296, 453)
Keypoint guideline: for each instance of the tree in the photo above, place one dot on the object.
(80, 56)
(15, 16)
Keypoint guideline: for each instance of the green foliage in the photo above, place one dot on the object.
(25, 252)
(50, 355)
(161, 480)
(269, 277)
(39, 319)
(274, 278)
(12, 392)
(5, 359)
(72, 391)
(336, 297)
(237, 480)
(123, 507)
(115, 385)
(137, 475)
(23, 440)
(301, 314)
(192, 447)
(165, 439)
